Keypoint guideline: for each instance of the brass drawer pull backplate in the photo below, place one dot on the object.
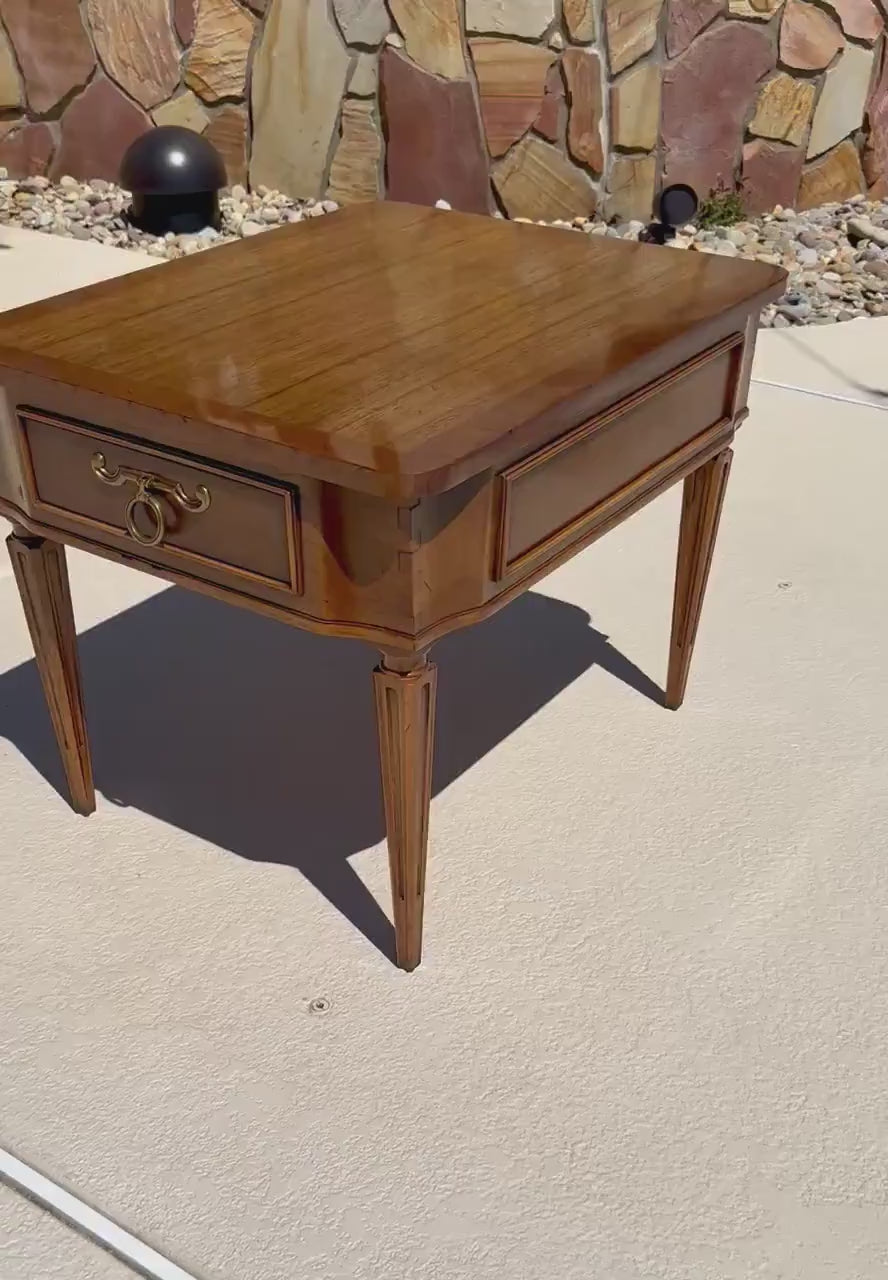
(147, 487)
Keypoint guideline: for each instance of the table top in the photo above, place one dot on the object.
(403, 340)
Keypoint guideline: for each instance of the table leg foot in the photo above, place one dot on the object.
(42, 577)
(704, 492)
(405, 718)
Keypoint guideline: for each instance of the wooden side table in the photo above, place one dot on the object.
(383, 424)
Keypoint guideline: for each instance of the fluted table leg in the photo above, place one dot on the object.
(704, 492)
(405, 716)
(41, 573)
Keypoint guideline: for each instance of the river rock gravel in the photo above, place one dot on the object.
(836, 255)
(96, 210)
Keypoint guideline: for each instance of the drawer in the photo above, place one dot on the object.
(560, 491)
(172, 508)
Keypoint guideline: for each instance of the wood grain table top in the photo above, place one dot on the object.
(401, 345)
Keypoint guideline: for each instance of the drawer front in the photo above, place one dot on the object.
(193, 512)
(559, 492)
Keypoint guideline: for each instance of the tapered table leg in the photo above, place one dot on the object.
(704, 492)
(42, 577)
(405, 717)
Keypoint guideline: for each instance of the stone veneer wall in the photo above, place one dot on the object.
(543, 108)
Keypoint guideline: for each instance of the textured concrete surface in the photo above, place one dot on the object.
(33, 265)
(34, 1246)
(844, 360)
(647, 1039)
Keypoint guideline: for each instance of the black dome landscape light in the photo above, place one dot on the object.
(174, 175)
(676, 206)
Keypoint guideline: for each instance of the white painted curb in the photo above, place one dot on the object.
(128, 1248)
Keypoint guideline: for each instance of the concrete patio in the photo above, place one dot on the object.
(647, 1041)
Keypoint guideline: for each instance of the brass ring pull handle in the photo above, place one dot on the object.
(147, 487)
(147, 500)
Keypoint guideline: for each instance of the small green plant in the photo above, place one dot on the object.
(721, 208)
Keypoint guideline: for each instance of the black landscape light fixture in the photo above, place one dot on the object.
(175, 176)
(676, 206)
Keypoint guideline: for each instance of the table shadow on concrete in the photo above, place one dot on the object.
(260, 738)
